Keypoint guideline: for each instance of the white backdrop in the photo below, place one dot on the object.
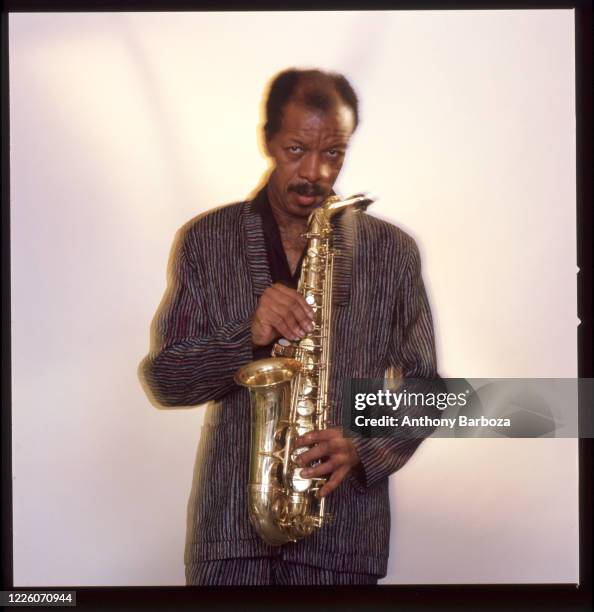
(124, 126)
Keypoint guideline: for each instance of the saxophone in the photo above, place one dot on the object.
(288, 394)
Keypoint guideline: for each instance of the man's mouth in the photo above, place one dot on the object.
(306, 200)
(306, 195)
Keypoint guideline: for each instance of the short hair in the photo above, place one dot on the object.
(315, 95)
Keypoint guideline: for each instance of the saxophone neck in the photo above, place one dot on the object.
(334, 204)
(359, 201)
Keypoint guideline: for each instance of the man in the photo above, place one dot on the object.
(233, 294)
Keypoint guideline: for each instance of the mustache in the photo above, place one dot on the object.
(307, 189)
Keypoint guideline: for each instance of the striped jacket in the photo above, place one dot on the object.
(201, 337)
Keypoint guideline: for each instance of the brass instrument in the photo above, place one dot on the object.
(288, 394)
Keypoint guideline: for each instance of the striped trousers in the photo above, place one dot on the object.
(267, 571)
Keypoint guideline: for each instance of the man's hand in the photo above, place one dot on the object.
(281, 312)
(339, 453)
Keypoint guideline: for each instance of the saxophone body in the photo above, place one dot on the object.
(289, 397)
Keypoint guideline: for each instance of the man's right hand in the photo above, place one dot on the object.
(281, 312)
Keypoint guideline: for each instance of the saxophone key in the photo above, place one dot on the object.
(298, 451)
(307, 386)
(305, 407)
(304, 427)
(305, 423)
(300, 483)
(307, 343)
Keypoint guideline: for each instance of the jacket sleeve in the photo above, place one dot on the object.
(412, 352)
(191, 361)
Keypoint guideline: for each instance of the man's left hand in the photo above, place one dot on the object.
(339, 456)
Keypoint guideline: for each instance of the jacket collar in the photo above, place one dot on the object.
(258, 260)
(256, 249)
(343, 243)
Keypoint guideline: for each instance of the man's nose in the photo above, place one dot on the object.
(313, 168)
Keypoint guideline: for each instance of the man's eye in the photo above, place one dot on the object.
(295, 149)
(333, 153)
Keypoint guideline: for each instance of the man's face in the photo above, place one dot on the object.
(308, 151)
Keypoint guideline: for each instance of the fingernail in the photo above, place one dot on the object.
(310, 327)
(305, 472)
